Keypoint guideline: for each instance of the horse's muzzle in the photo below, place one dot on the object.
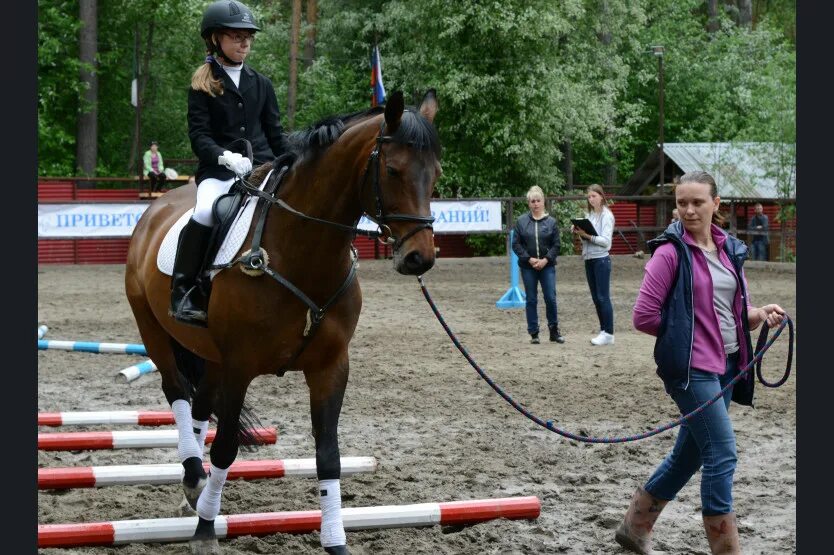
(414, 263)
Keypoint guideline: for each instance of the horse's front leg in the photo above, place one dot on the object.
(229, 402)
(195, 477)
(327, 390)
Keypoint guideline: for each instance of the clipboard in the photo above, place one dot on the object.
(585, 225)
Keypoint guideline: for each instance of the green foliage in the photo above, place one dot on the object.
(488, 244)
(516, 79)
(59, 86)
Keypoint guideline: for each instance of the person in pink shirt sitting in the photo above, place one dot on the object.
(694, 299)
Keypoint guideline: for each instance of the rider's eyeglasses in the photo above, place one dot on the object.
(238, 38)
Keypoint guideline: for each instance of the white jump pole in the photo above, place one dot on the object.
(131, 439)
(92, 418)
(42, 331)
(90, 347)
(299, 522)
(157, 474)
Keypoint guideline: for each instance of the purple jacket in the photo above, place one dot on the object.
(707, 349)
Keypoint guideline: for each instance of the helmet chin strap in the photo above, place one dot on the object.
(219, 53)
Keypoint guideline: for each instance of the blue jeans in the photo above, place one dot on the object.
(706, 439)
(547, 277)
(758, 250)
(598, 274)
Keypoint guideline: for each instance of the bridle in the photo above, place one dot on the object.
(255, 261)
(381, 218)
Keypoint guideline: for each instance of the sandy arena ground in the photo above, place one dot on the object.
(439, 432)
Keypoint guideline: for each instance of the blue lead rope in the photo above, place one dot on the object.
(761, 347)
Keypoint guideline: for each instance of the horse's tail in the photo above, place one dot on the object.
(191, 370)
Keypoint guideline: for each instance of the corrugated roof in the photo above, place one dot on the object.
(740, 169)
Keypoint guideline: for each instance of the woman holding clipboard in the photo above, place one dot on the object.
(596, 230)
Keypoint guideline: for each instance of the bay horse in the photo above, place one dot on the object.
(383, 162)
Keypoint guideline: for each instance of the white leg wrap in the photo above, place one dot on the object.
(201, 435)
(332, 528)
(208, 505)
(187, 446)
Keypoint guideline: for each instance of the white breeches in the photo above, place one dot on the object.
(207, 192)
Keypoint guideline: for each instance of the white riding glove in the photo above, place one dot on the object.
(235, 162)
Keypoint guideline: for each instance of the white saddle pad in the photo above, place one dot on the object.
(231, 243)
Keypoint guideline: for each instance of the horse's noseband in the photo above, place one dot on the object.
(381, 218)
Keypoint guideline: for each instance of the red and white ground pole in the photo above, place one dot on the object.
(156, 474)
(298, 522)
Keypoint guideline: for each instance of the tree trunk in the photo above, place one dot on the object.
(567, 163)
(604, 36)
(712, 16)
(310, 41)
(293, 81)
(142, 81)
(86, 153)
(611, 170)
(745, 13)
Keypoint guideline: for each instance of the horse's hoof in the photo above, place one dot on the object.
(193, 494)
(204, 541)
(205, 547)
(337, 550)
(185, 509)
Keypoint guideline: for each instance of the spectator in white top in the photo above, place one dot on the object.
(598, 262)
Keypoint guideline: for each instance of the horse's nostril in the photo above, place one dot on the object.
(415, 263)
(414, 259)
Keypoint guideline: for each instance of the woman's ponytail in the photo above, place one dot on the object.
(204, 80)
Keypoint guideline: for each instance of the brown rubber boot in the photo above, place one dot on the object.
(722, 534)
(635, 533)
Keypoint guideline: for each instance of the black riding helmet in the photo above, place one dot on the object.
(225, 14)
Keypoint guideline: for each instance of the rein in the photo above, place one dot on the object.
(256, 261)
(384, 234)
(762, 345)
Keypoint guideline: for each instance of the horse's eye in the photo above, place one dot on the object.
(392, 172)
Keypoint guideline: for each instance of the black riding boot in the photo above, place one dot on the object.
(188, 304)
(555, 334)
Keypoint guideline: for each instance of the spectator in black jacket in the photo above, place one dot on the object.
(536, 243)
(228, 101)
(760, 224)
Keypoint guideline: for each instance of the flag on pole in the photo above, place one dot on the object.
(378, 94)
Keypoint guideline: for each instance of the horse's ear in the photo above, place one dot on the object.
(394, 111)
(428, 106)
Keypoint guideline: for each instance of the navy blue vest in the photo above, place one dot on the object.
(673, 346)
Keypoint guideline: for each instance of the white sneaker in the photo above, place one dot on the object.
(603, 339)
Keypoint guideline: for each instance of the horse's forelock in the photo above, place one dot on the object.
(417, 131)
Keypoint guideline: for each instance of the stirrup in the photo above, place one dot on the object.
(193, 317)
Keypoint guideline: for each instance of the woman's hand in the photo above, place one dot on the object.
(773, 314)
(538, 263)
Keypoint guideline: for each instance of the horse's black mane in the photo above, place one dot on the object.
(414, 130)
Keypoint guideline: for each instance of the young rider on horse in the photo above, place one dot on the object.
(227, 101)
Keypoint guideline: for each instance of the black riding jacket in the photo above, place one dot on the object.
(248, 112)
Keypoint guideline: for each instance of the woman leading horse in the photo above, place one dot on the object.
(384, 164)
